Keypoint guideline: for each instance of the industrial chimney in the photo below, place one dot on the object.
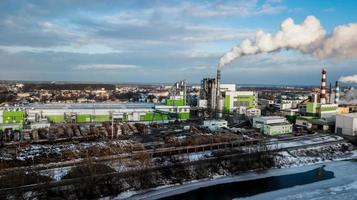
(323, 87)
(218, 96)
(337, 92)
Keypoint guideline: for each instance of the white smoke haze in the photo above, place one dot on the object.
(348, 79)
(309, 37)
(350, 97)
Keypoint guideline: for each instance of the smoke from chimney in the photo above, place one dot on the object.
(349, 98)
(307, 37)
(348, 79)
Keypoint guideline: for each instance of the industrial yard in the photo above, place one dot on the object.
(56, 154)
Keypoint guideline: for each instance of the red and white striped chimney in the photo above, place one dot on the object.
(323, 87)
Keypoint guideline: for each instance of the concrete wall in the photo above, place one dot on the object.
(346, 124)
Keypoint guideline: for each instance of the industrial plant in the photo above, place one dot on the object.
(144, 100)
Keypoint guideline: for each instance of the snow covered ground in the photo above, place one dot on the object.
(311, 155)
(304, 141)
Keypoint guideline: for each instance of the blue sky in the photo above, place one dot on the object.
(159, 41)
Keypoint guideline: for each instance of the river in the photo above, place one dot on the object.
(331, 180)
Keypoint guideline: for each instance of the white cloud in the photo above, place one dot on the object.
(348, 79)
(106, 67)
(242, 8)
(197, 68)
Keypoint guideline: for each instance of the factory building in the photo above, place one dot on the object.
(253, 112)
(284, 104)
(215, 125)
(346, 124)
(12, 119)
(33, 115)
(313, 108)
(249, 112)
(177, 94)
(272, 125)
(235, 99)
(227, 87)
(96, 112)
(265, 102)
(208, 93)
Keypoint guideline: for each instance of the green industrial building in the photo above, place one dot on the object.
(235, 99)
(94, 112)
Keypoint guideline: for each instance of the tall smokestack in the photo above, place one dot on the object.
(337, 92)
(323, 87)
(218, 96)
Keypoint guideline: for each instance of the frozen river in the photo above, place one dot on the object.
(336, 180)
(342, 186)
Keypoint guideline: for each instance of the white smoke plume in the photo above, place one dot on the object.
(348, 79)
(342, 43)
(350, 97)
(307, 37)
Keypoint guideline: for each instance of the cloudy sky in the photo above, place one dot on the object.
(159, 41)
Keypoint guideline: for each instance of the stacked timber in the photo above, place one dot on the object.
(119, 131)
(133, 129)
(69, 131)
(34, 135)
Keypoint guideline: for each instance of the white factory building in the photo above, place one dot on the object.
(227, 87)
(215, 125)
(272, 125)
(287, 104)
(249, 112)
(346, 124)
